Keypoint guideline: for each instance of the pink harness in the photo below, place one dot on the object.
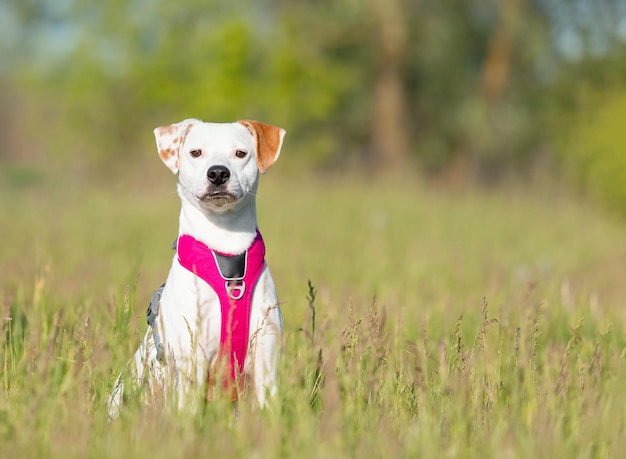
(233, 278)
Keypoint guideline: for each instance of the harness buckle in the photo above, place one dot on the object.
(235, 288)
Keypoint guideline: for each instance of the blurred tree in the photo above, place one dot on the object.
(597, 151)
(390, 123)
(468, 87)
(587, 98)
(497, 63)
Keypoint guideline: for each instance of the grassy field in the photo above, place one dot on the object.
(467, 324)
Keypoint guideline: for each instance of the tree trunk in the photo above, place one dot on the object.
(390, 124)
(497, 64)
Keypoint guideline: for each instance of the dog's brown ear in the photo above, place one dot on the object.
(170, 139)
(269, 140)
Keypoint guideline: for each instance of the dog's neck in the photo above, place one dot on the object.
(227, 232)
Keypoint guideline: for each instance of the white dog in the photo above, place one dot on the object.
(218, 316)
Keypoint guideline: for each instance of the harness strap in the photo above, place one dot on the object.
(151, 315)
(153, 308)
(233, 278)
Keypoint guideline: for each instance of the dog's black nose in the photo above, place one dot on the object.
(218, 175)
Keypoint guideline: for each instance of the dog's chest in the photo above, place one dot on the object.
(233, 278)
(208, 300)
(188, 303)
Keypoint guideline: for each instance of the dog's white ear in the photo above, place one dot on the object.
(269, 140)
(170, 139)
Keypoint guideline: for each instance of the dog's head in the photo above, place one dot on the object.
(218, 165)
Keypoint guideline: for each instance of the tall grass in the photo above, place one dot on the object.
(418, 323)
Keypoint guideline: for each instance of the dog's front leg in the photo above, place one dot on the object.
(265, 338)
(265, 352)
(190, 384)
(265, 343)
(144, 367)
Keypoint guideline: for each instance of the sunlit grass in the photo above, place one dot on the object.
(446, 324)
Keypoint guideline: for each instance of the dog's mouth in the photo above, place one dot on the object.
(218, 198)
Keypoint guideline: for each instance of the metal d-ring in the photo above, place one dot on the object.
(240, 286)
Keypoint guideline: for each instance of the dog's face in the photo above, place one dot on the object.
(218, 164)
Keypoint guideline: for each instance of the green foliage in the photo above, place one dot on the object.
(597, 152)
(104, 75)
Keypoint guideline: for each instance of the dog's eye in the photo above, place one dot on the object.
(241, 153)
(195, 153)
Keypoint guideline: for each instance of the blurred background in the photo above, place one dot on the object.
(460, 91)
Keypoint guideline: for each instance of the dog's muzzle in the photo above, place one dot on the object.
(217, 192)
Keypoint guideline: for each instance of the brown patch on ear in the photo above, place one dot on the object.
(169, 157)
(169, 141)
(166, 153)
(269, 140)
